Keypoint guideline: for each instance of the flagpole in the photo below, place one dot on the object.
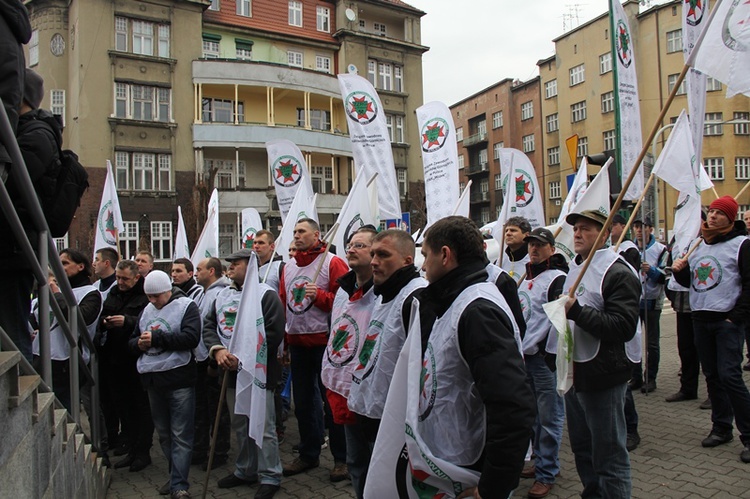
(635, 212)
(742, 191)
(369, 182)
(215, 434)
(332, 233)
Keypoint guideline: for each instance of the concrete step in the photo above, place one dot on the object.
(42, 406)
(26, 386)
(8, 360)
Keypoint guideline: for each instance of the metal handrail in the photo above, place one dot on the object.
(48, 257)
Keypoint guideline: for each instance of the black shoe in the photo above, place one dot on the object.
(164, 489)
(649, 387)
(679, 397)
(218, 461)
(745, 454)
(105, 460)
(122, 450)
(632, 441)
(635, 384)
(266, 491)
(716, 438)
(232, 480)
(140, 463)
(197, 459)
(706, 404)
(125, 462)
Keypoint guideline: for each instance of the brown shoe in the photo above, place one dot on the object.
(299, 465)
(539, 490)
(529, 471)
(340, 472)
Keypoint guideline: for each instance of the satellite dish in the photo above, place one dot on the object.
(352, 69)
(350, 14)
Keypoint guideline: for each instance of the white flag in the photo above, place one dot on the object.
(288, 171)
(251, 224)
(181, 248)
(402, 466)
(249, 345)
(355, 213)
(577, 190)
(462, 206)
(509, 206)
(208, 242)
(687, 223)
(527, 197)
(627, 109)
(676, 163)
(371, 142)
(722, 51)
(694, 15)
(555, 310)
(303, 206)
(440, 159)
(109, 217)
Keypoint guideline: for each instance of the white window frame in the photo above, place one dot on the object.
(140, 171)
(483, 157)
(385, 76)
(527, 110)
(398, 78)
(295, 58)
(244, 8)
(321, 177)
(163, 44)
(578, 112)
(714, 168)
(61, 243)
(243, 53)
(399, 129)
(402, 179)
(323, 63)
(295, 13)
(461, 161)
(608, 102)
(143, 37)
(712, 124)
(550, 89)
(215, 5)
(372, 72)
(129, 240)
(712, 84)
(671, 80)
(132, 97)
(496, 148)
(122, 170)
(121, 33)
(484, 215)
(380, 29)
(528, 143)
(34, 48)
(555, 190)
(553, 156)
(497, 119)
(674, 41)
(57, 103)
(741, 128)
(605, 63)
(323, 18)
(610, 140)
(227, 176)
(741, 168)
(459, 134)
(211, 49)
(583, 147)
(577, 75)
(498, 181)
(552, 123)
(161, 241)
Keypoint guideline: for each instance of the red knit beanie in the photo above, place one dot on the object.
(727, 205)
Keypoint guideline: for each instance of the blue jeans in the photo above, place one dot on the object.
(548, 426)
(358, 454)
(253, 463)
(720, 351)
(174, 413)
(596, 424)
(631, 414)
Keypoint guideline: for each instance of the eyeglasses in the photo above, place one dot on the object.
(356, 246)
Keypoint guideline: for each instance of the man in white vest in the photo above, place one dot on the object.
(516, 253)
(718, 273)
(105, 261)
(545, 275)
(168, 330)
(603, 316)
(270, 264)
(253, 464)
(653, 260)
(307, 294)
(479, 387)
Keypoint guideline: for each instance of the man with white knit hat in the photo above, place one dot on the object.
(168, 330)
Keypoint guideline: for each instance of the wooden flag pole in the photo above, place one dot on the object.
(332, 234)
(215, 434)
(369, 182)
(742, 191)
(635, 212)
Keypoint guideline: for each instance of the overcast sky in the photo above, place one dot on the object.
(475, 43)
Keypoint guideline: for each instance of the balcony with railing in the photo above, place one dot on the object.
(475, 139)
(478, 168)
(480, 197)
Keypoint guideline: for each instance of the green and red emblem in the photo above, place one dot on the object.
(694, 13)
(286, 171)
(707, 274)
(107, 224)
(434, 133)
(361, 107)
(623, 44)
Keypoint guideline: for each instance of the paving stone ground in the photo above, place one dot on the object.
(669, 462)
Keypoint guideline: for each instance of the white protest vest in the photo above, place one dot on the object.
(715, 276)
(104, 292)
(589, 292)
(532, 294)
(451, 412)
(348, 339)
(59, 346)
(302, 317)
(167, 320)
(652, 290)
(273, 274)
(634, 347)
(626, 245)
(226, 306)
(515, 268)
(206, 304)
(672, 282)
(372, 376)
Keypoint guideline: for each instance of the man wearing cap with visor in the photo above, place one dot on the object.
(603, 315)
(718, 274)
(545, 276)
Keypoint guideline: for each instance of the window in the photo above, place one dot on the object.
(497, 120)
(379, 29)
(243, 51)
(121, 34)
(483, 157)
(742, 128)
(140, 102)
(323, 16)
(402, 181)
(244, 8)
(555, 191)
(671, 80)
(294, 58)
(482, 127)
(577, 75)
(528, 143)
(129, 240)
(372, 67)
(295, 13)
(143, 171)
(583, 147)
(527, 110)
(398, 78)
(578, 112)
(214, 5)
(550, 89)
(210, 49)
(496, 147)
(609, 140)
(322, 179)
(552, 123)
(461, 162)
(61, 243)
(222, 111)
(712, 84)
(227, 238)
(484, 215)
(459, 134)
(163, 41)
(605, 63)
(323, 63)
(553, 156)
(714, 168)
(484, 187)
(57, 104)
(161, 241)
(713, 124)
(227, 177)
(674, 41)
(143, 38)
(608, 102)
(742, 168)
(498, 181)
(319, 119)
(399, 131)
(498, 209)
(385, 76)
(34, 48)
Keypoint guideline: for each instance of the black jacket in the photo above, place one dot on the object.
(129, 304)
(740, 314)
(391, 288)
(90, 305)
(488, 346)
(614, 326)
(186, 338)
(15, 30)
(509, 289)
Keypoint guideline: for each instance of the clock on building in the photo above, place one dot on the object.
(57, 45)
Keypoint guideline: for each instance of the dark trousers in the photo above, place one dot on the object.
(688, 355)
(15, 306)
(207, 393)
(651, 318)
(133, 408)
(631, 414)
